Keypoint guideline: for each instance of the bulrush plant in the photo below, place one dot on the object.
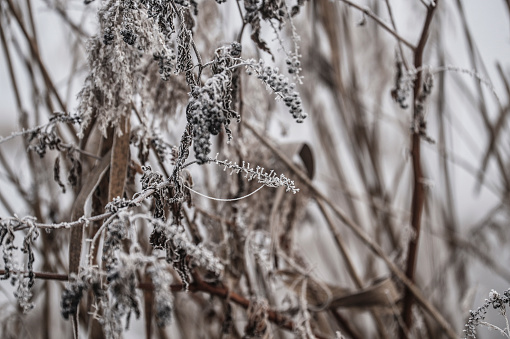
(151, 191)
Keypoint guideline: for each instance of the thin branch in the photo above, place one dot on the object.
(482, 105)
(66, 18)
(418, 191)
(381, 23)
(401, 50)
(37, 55)
(241, 31)
(10, 67)
(42, 275)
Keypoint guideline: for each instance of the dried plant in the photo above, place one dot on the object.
(477, 318)
(153, 183)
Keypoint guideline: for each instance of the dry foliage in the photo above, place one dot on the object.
(161, 188)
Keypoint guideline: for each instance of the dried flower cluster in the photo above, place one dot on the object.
(14, 271)
(280, 85)
(270, 179)
(208, 111)
(476, 318)
(89, 280)
(163, 294)
(132, 32)
(420, 123)
(402, 87)
(179, 249)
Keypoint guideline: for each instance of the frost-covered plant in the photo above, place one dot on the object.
(209, 110)
(89, 280)
(280, 85)
(23, 280)
(145, 66)
(270, 179)
(180, 250)
(121, 298)
(477, 317)
(162, 293)
(402, 87)
(116, 233)
(166, 82)
(131, 31)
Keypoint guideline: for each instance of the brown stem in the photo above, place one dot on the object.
(419, 192)
(46, 276)
(197, 286)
